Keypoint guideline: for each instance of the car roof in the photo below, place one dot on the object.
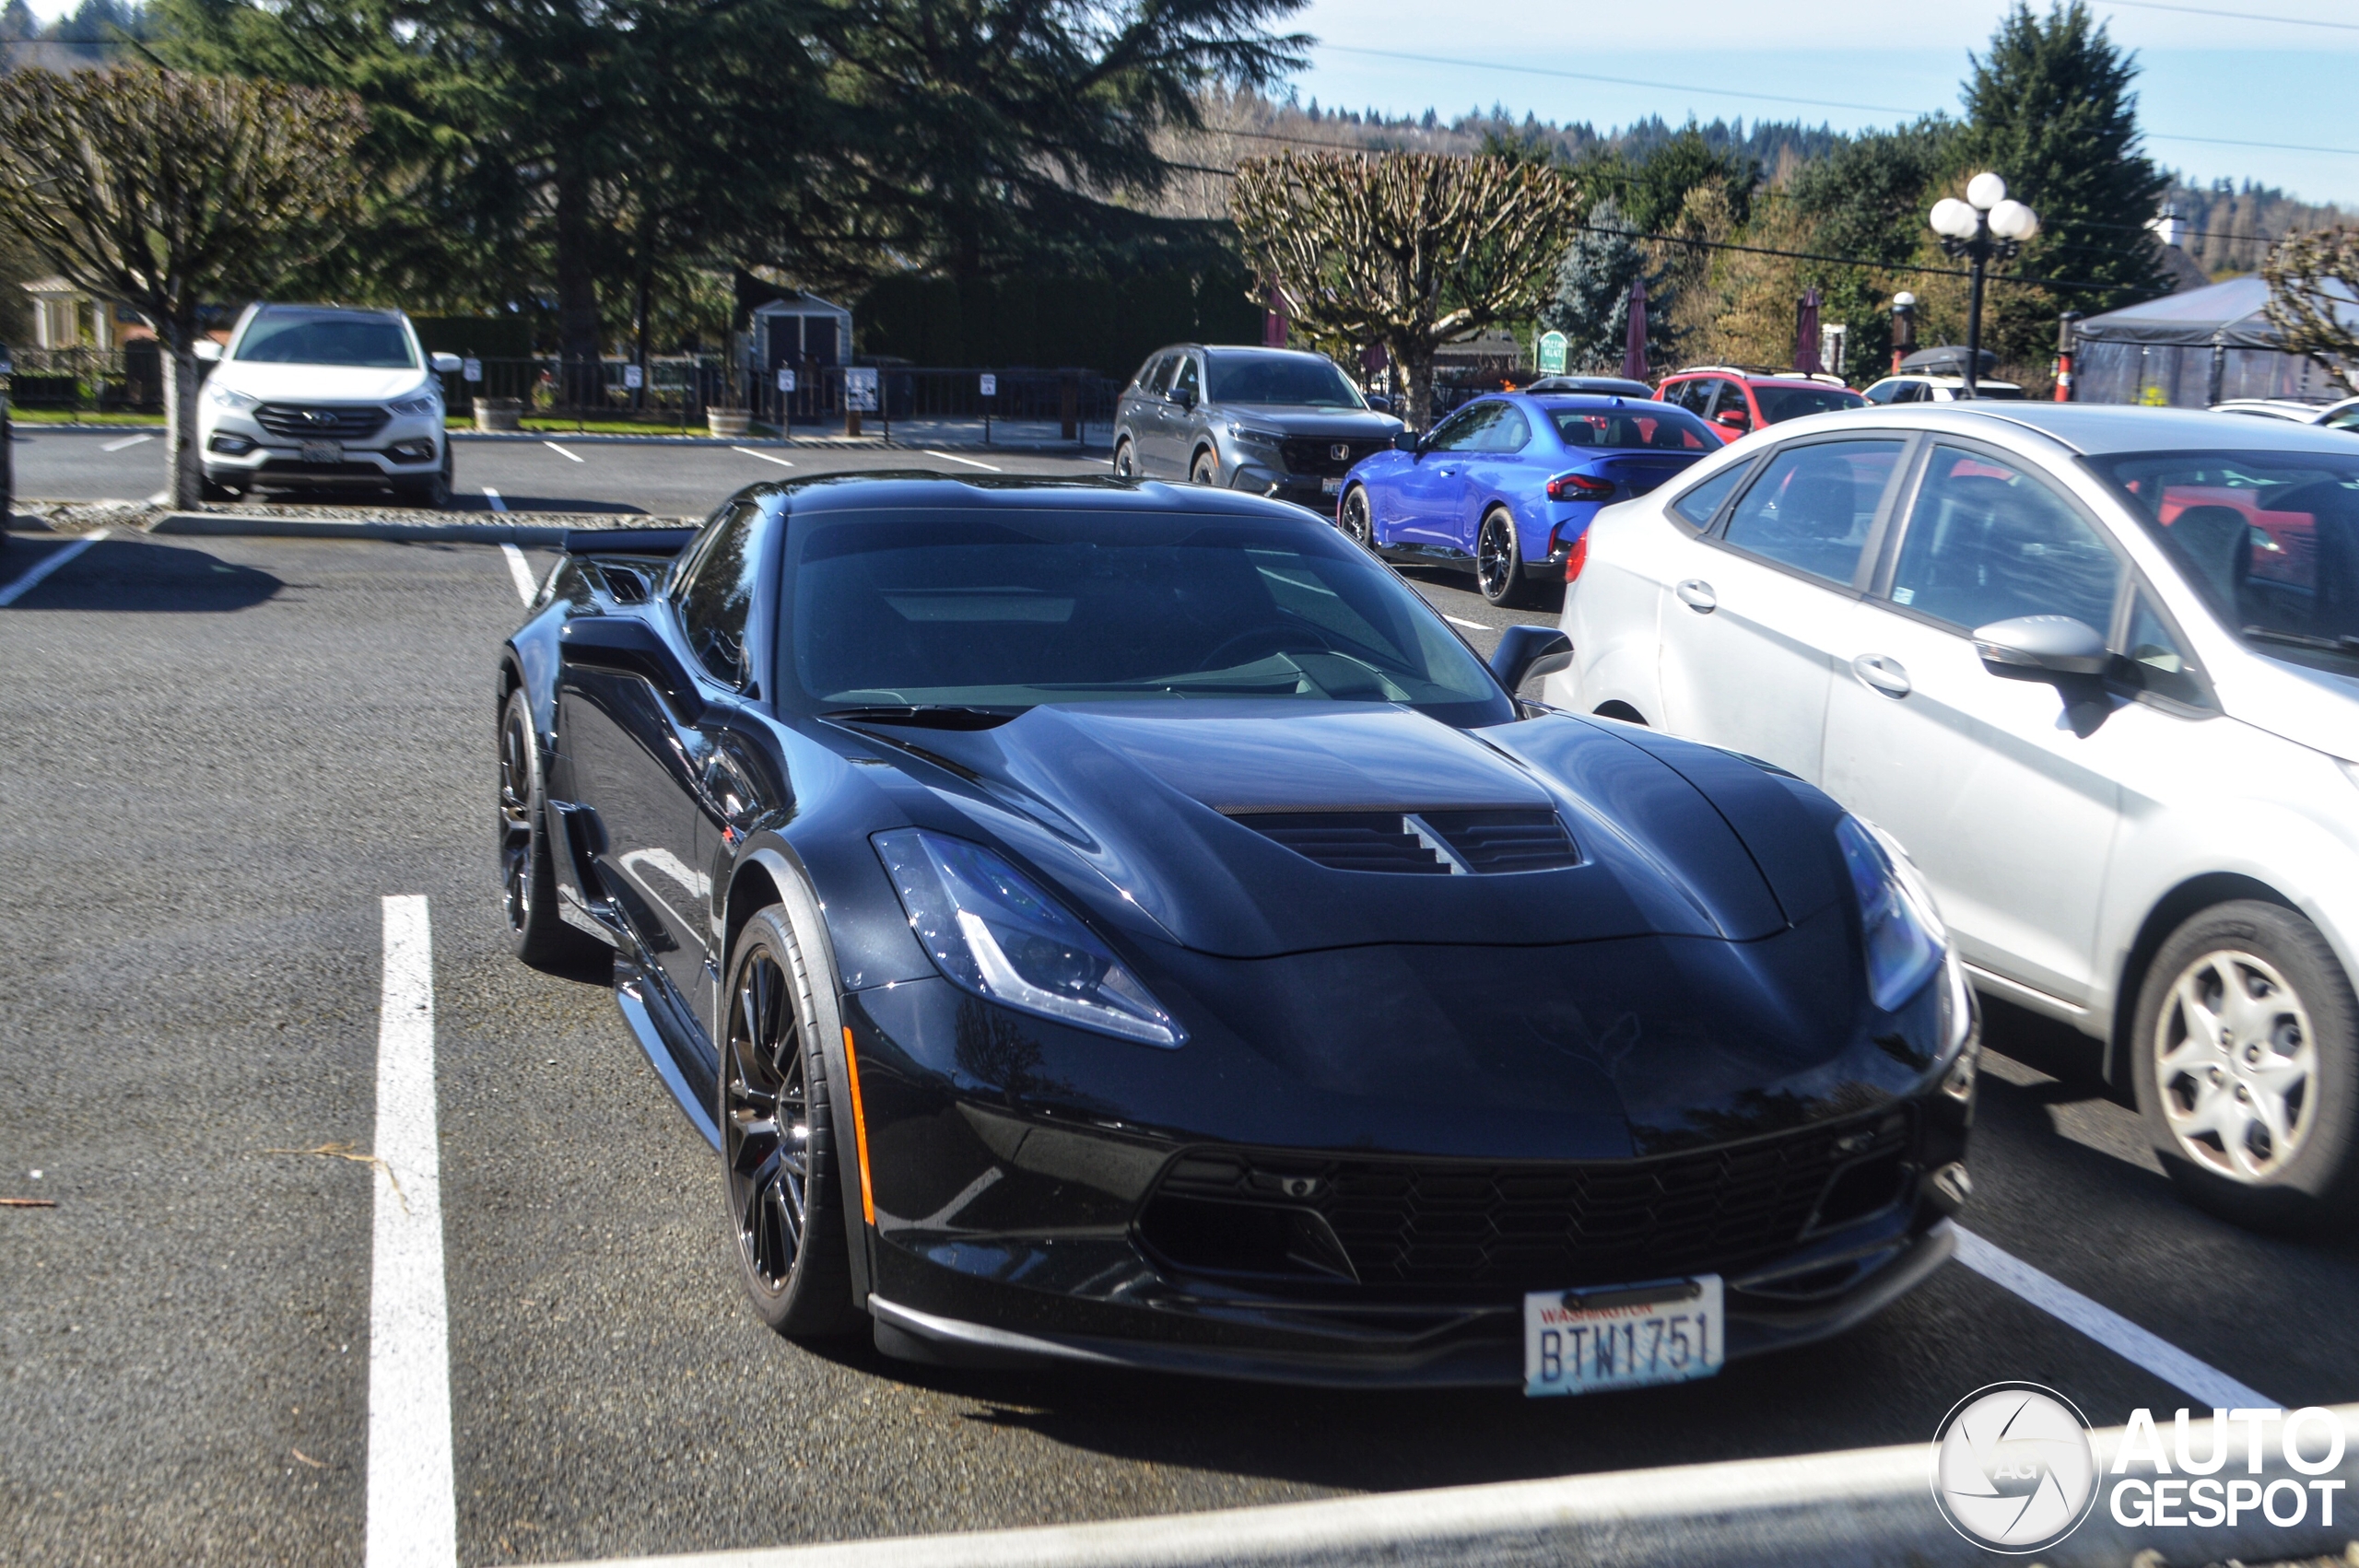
(1583, 399)
(2100, 429)
(926, 489)
(1754, 378)
(273, 308)
(1242, 348)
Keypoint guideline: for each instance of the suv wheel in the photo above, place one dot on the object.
(1126, 460)
(1205, 470)
(432, 493)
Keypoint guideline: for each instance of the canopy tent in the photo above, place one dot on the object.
(2195, 348)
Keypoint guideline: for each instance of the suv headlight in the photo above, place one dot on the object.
(427, 404)
(1904, 939)
(991, 932)
(1252, 437)
(224, 397)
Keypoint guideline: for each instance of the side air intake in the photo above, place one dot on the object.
(1456, 842)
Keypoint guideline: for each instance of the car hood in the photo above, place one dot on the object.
(2314, 707)
(1145, 811)
(317, 383)
(1288, 420)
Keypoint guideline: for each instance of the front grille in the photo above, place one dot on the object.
(1432, 843)
(1537, 1226)
(321, 422)
(1315, 455)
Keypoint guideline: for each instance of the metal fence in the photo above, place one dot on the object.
(80, 381)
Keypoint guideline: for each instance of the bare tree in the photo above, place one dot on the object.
(161, 191)
(2313, 298)
(1407, 249)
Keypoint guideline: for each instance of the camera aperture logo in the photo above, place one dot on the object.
(2013, 1469)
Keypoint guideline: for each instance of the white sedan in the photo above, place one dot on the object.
(2097, 669)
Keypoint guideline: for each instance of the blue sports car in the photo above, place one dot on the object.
(1508, 483)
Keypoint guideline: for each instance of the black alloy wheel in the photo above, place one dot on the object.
(527, 881)
(1498, 570)
(1205, 470)
(432, 493)
(777, 1148)
(1354, 519)
(1126, 460)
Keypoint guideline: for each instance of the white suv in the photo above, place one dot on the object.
(2097, 669)
(324, 397)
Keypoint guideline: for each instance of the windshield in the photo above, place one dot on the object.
(1665, 429)
(1791, 402)
(1291, 380)
(2271, 539)
(1008, 611)
(326, 337)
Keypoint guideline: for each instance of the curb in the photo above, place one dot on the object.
(221, 527)
(1863, 1508)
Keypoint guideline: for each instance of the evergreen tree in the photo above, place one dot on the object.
(1591, 304)
(2049, 109)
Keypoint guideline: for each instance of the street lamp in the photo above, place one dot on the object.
(1984, 226)
(1903, 328)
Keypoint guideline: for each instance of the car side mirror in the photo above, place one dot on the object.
(1526, 651)
(205, 350)
(1378, 402)
(2040, 647)
(628, 646)
(1733, 419)
(1181, 396)
(444, 364)
(1408, 441)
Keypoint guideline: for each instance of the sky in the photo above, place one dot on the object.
(2214, 71)
(2229, 78)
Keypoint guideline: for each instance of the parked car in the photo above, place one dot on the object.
(1506, 486)
(1126, 925)
(324, 397)
(2342, 415)
(1608, 386)
(1917, 388)
(1274, 421)
(1734, 401)
(2097, 669)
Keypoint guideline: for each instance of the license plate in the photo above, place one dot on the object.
(1330, 485)
(1622, 1336)
(323, 451)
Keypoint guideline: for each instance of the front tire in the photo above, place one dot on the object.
(1126, 460)
(527, 880)
(777, 1154)
(1498, 562)
(432, 493)
(1353, 517)
(1205, 470)
(2245, 1058)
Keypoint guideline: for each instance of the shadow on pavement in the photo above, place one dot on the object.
(135, 574)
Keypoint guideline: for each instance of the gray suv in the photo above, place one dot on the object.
(1270, 420)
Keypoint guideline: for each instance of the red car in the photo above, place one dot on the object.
(1734, 401)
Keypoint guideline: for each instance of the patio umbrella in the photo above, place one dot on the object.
(1633, 347)
(1806, 333)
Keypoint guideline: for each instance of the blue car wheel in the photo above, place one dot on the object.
(1352, 517)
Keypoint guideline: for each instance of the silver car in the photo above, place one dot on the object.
(1274, 421)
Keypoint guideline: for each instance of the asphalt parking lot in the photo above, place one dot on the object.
(225, 753)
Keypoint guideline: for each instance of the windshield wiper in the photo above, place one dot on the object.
(925, 715)
(2346, 644)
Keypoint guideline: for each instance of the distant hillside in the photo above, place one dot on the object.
(2229, 226)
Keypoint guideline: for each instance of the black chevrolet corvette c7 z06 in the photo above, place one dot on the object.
(1124, 923)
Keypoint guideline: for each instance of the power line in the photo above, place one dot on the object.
(2234, 15)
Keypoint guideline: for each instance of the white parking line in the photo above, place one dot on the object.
(521, 570)
(126, 441)
(2106, 1327)
(953, 457)
(561, 452)
(763, 456)
(40, 570)
(160, 498)
(1469, 626)
(493, 497)
(413, 1511)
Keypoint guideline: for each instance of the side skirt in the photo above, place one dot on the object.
(669, 1040)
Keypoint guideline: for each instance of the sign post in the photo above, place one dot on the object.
(1552, 353)
(990, 387)
(860, 396)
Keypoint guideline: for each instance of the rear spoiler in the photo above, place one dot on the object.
(627, 541)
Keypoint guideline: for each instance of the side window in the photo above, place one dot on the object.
(1986, 541)
(2161, 665)
(1886, 392)
(718, 593)
(1702, 504)
(1464, 431)
(1510, 432)
(1689, 395)
(1186, 380)
(1152, 374)
(1812, 505)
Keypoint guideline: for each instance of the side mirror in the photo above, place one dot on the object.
(444, 364)
(1733, 419)
(628, 646)
(1408, 441)
(2040, 647)
(205, 350)
(1526, 651)
(1181, 396)
(1378, 402)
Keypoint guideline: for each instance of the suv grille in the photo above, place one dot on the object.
(321, 422)
(1439, 843)
(1537, 1226)
(1312, 454)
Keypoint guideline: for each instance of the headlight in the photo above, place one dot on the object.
(1251, 436)
(992, 932)
(426, 404)
(1904, 939)
(222, 397)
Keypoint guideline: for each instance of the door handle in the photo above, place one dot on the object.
(1885, 674)
(1697, 595)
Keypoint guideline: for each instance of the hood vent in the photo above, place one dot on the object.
(1435, 843)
